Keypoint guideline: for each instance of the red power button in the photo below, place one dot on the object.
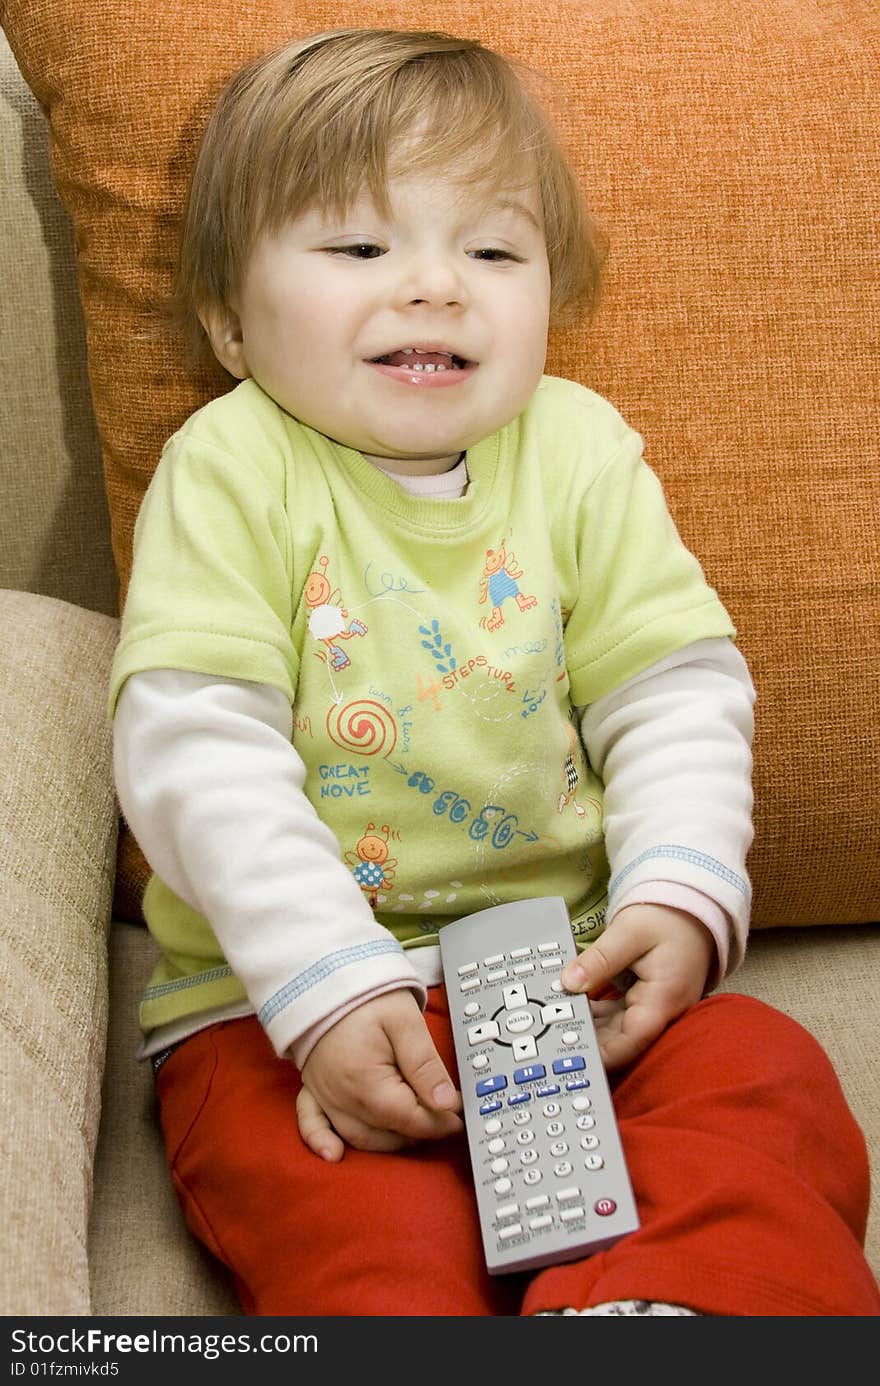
(605, 1207)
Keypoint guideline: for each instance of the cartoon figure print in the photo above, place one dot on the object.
(328, 620)
(571, 780)
(373, 868)
(499, 581)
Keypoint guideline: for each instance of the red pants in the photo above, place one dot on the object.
(749, 1170)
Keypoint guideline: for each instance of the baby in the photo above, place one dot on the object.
(410, 632)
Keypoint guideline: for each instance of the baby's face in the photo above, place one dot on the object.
(408, 338)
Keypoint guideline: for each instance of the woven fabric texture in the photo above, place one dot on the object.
(48, 441)
(731, 153)
(57, 841)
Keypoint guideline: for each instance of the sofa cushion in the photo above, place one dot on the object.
(729, 151)
(57, 841)
(48, 442)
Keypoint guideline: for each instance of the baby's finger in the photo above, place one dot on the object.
(315, 1128)
(629, 1035)
(396, 1108)
(424, 1071)
(603, 962)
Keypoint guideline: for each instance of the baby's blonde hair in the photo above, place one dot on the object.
(318, 122)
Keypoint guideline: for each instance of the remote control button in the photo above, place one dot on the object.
(518, 1021)
(564, 1168)
(520, 952)
(559, 1148)
(505, 1233)
(604, 1207)
(509, 1210)
(517, 1098)
(548, 947)
(503, 1186)
(525, 1136)
(551, 1109)
(574, 1084)
(589, 1142)
(514, 997)
(492, 1127)
(468, 969)
(570, 1037)
(522, 1116)
(493, 1084)
(556, 1011)
(533, 1176)
(524, 1048)
(538, 1201)
(486, 1030)
(594, 1162)
(480, 1061)
(556, 986)
(472, 1008)
(548, 1090)
(528, 1157)
(539, 1223)
(585, 1123)
(581, 1104)
(495, 1147)
(500, 1166)
(566, 1195)
(555, 1128)
(572, 1214)
(495, 961)
(523, 969)
(492, 1106)
(550, 964)
(569, 1064)
(498, 974)
(472, 984)
(529, 1074)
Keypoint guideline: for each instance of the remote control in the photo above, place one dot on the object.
(549, 1170)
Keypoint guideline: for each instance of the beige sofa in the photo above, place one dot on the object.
(88, 1223)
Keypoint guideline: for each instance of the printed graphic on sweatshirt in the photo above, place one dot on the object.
(498, 583)
(373, 866)
(477, 827)
(571, 779)
(329, 621)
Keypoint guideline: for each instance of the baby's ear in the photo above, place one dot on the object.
(223, 328)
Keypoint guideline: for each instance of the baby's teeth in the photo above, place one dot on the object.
(408, 351)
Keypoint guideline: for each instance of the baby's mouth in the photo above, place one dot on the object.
(428, 361)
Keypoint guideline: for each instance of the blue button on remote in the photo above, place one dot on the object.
(569, 1064)
(529, 1074)
(493, 1084)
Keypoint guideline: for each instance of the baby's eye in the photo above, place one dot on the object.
(493, 254)
(361, 250)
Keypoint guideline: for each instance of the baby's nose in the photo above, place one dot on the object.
(435, 281)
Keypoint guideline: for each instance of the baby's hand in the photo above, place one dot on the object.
(669, 952)
(375, 1081)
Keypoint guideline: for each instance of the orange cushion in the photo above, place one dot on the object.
(731, 152)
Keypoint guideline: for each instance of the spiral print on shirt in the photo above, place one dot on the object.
(363, 726)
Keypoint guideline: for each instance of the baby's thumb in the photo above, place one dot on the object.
(597, 967)
(424, 1070)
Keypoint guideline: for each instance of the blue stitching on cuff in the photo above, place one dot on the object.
(181, 983)
(693, 858)
(320, 971)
